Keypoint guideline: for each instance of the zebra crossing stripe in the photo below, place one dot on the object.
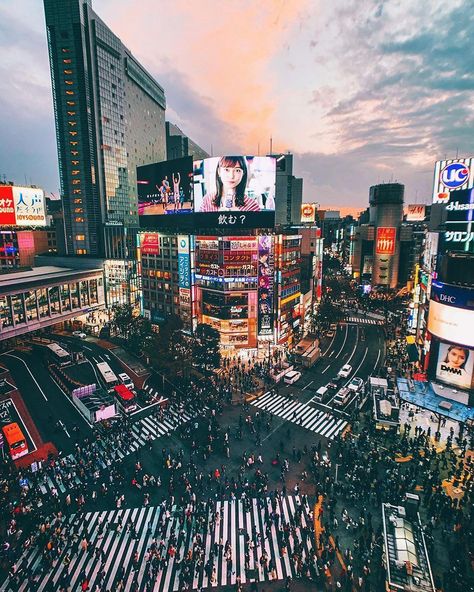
(119, 547)
(301, 414)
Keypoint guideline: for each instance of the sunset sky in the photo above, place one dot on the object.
(360, 91)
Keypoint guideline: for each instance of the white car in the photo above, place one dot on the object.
(291, 377)
(355, 384)
(345, 371)
(126, 380)
(79, 334)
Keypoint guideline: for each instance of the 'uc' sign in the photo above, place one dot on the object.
(454, 175)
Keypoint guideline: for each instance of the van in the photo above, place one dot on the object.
(291, 377)
(321, 394)
(342, 397)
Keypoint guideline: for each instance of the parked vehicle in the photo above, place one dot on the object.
(126, 380)
(79, 334)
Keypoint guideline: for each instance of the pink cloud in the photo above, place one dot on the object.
(223, 49)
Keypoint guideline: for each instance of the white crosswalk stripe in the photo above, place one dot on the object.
(302, 414)
(252, 528)
(363, 321)
(143, 430)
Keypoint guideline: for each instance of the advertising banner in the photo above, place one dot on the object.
(452, 295)
(455, 365)
(7, 208)
(22, 206)
(184, 271)
(368, 265)
(308, 213)
(150, 243)
(165, 187)
(235, 191)
(385, 243)
(415, 213)
(452, 175)
(448, 322)
(265, 285)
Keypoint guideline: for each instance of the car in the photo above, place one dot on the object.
(79, 334)
(342, 397)
(333, 326)
(291, 377)
(329, 333)
(355, 384)
(333, 385)
(345, 371)
(126, 380)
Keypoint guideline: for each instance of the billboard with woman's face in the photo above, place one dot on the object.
(235, 191)
(455, 365)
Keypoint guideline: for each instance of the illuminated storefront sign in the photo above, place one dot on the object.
(150, 243)
(385, 243)
(265, 285)
(451, 176)
(451, 323)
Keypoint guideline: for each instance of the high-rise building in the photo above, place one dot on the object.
(289, 192)
(179, 145)
(110, 118)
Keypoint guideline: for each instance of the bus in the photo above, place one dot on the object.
(108, 377)
(15, 439)
(125, 398)
(58, 355)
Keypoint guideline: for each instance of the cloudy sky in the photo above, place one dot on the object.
(361, 91)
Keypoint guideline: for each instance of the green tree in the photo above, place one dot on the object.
(122, 319)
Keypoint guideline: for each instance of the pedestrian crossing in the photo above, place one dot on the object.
(302, 414)
(250, 539)
(105, 451)
(364, 321)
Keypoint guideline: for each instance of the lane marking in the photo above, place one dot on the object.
(355, 345)
(332, 341)
(358, 367)
(325, 369)
(343, 343)
(29, 371)
(64, 428)
(309, 384)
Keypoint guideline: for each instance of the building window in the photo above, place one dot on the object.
(70, 103)
(67, 71)
(69, 92)
(77, 192)
(78, 210)
(79, 219)
(80, 237)
(81, 251)
(78, 201)
(69, 82)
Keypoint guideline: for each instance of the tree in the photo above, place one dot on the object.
(122, 319)
(206, 350)
(138, 334)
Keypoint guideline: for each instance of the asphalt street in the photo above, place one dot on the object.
(360, 345)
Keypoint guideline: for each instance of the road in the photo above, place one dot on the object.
(52, 412)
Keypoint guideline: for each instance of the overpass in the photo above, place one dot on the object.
(43, 296)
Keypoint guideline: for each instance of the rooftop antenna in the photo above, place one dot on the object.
(258, 149)
(271, 145)
(212, 153)
(457, 152)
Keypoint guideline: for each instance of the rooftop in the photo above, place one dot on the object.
(406, 556)
(426, 395)
(44, 274)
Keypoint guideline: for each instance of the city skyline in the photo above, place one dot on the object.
(380, 103)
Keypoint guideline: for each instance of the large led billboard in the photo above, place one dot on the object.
(451, 323)
(165, 188)
(265, 285)
(455, 365)
(235, 191)
(22, 206)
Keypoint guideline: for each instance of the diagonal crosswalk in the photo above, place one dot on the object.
(104, 453)
(302, 414)
(253, 539)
